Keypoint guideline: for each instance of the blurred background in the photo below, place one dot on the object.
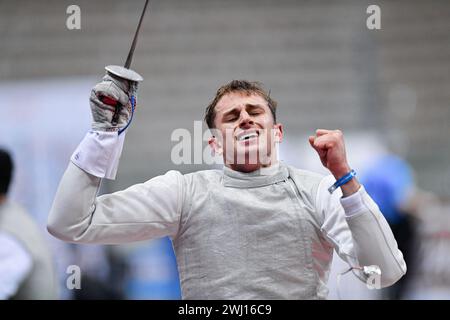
(387, 89)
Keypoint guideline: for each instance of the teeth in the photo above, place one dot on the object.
(247, 136)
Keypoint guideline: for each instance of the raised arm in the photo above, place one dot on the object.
(353, 222)
(143, 211)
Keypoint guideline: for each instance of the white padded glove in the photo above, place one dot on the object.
(113, 102)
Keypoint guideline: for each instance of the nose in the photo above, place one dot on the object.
(246, 120)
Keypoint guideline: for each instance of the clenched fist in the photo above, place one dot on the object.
(112, 103)
(330, 146)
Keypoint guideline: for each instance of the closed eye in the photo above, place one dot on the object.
(231, 118)
(252, 109)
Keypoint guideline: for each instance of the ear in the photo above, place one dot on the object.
(215, 146)
(278, 130)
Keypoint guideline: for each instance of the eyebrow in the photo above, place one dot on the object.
(247, 106)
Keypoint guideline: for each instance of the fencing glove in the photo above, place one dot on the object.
(113, 102)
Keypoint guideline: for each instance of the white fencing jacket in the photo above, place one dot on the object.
(262, 235)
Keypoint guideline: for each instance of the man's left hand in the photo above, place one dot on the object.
(330, 146)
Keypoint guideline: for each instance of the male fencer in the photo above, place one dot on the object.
(256, 229)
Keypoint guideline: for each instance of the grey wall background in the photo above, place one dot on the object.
(321, 63)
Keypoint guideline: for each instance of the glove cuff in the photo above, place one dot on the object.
(99, 153)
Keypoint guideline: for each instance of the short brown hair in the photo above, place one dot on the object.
(243, 86)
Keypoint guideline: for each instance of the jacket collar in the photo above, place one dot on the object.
(258, 178)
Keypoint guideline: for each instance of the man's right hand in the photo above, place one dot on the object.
(111, 103)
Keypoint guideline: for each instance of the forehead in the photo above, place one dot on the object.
(237, 100)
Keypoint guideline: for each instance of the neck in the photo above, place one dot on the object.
(2, 198)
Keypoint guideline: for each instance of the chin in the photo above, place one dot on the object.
(244, 162)
(246, 168)
(247, 156)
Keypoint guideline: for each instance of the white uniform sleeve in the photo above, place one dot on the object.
(15, 265)
(144, 211)
(359, 232)
(99, 153)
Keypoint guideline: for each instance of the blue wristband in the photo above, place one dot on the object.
(343, 180)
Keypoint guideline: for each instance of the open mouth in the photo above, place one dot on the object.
(245, 136)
